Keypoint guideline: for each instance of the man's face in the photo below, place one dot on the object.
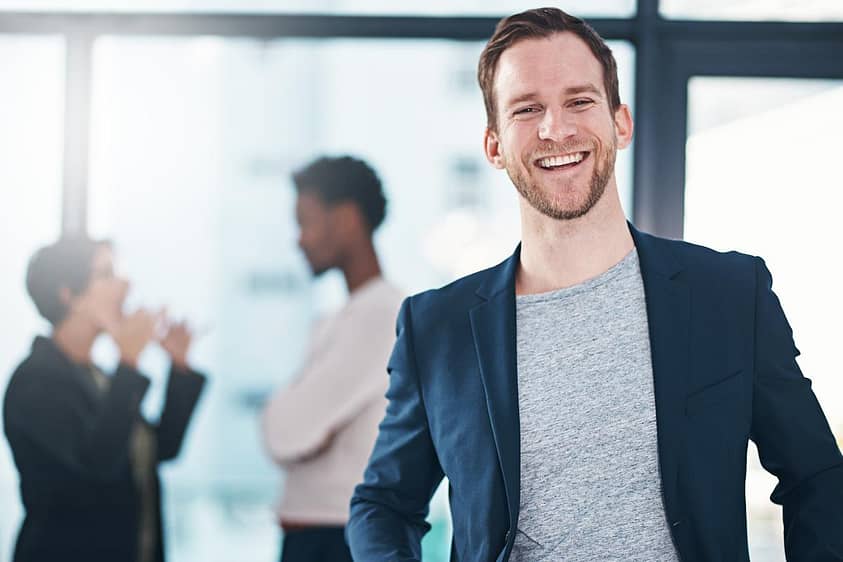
(556, 136)
(317, 232)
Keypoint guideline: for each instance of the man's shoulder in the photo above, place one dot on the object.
(703, 262)
(458, 296)
(377, 294)
(699, 251)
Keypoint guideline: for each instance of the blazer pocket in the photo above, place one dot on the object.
(720, 393)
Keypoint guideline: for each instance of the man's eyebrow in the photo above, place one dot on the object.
(584, 88)
(570, 91)
(521, 98)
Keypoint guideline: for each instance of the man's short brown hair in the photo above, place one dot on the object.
(537, 24)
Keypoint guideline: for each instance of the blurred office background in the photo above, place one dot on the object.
(172, 127)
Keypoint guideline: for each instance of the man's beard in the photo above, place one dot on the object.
(543, 203)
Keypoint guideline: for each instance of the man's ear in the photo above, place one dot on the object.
(623, 125)
(349, 218)
(492, 149)
(65, 296)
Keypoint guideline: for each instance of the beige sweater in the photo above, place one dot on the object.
(321, 427)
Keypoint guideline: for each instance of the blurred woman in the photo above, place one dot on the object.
(87, 458)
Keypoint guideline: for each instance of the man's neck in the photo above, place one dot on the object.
(561, 253)
(75, 339)
(361, 265)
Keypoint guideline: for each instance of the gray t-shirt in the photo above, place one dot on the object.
(590, 485)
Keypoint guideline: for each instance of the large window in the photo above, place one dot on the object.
(31, 113)
(754, 10)
(197, 120)
(193, 144)
(763, 178)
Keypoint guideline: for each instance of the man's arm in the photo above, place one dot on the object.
(794, 440)
(336, 383)
(388, 509)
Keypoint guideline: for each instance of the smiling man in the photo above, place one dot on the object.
(591, 397)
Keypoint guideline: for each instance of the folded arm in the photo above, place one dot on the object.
(337, 381)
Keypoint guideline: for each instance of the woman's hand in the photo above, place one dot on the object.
(176, 342)
(133, 333)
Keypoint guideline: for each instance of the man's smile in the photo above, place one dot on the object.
(567, 161)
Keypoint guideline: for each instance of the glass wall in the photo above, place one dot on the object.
(763, 178)
(193, 143)
(31, 136)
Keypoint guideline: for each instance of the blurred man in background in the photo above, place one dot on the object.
(322, 426)
(86, 456)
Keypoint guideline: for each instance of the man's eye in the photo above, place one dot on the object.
(524, 110)
(582, 102)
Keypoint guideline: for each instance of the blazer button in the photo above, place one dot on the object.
(676, 523)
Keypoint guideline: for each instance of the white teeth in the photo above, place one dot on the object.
(555, 161)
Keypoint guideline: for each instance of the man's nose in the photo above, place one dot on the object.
(556, 125)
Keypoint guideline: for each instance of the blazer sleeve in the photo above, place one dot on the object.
(793, 438)
(388, 510)
(183, 391)
(49, 417)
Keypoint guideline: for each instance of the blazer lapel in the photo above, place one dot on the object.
(668, 317)
(493, 329)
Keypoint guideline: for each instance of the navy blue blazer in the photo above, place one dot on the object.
(724, 372)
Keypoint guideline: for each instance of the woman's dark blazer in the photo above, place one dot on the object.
(71, 444)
